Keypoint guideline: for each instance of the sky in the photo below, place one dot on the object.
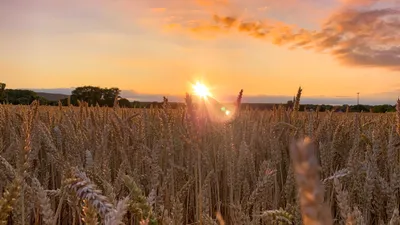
(152, 48)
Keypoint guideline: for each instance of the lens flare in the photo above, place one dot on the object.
(201, 90)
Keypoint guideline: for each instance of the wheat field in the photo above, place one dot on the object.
(92, 165)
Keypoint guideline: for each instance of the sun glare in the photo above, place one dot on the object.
(201, 90)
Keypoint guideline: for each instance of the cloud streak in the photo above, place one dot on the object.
(357, 34)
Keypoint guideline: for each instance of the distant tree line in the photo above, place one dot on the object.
(323, 108)
(108, 97)
(346, 107)
(19, 97)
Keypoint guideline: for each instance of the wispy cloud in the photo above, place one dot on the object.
(358, 2)
(158, 10)
(212, 2)
(357, 34)
(263, 9)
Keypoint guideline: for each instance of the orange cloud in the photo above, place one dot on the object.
(354, 36)
(265, 8)
(212, 2)
(158, 10)
(358, 2)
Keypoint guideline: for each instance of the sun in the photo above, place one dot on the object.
(201, 90)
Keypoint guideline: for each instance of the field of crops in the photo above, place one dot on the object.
(91, 165)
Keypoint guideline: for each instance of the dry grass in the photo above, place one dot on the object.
(83, 165)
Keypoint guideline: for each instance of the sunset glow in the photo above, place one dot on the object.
(150, 49)
(201, 90)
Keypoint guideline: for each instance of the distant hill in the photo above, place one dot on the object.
(52, 97)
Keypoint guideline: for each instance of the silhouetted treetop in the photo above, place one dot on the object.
(95, 95)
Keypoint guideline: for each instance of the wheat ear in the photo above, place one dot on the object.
(87, 190)
(44, 202)
(9, 199)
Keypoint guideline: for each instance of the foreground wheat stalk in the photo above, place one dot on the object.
(307, 170)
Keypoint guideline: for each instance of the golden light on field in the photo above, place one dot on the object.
(201, 90)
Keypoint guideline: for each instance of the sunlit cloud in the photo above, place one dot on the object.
(263, 9)
(358, 2)
(212, 2)
(158, 10)
(358, 36)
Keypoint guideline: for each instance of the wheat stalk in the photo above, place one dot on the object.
(306, 170)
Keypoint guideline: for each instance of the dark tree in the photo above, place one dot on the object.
(95, 95)
(109, 95)
(136, 104)
(23, 97)
(2, 92)
(91, 95)
(383, 108)
(359, 108)
(124, 103)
